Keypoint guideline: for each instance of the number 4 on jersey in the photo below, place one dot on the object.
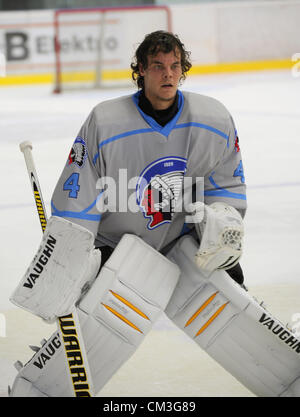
(239, 172)
(72, 185)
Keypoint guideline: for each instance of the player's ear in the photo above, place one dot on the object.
(141, 70)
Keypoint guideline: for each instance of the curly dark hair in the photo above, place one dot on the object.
(155, 42)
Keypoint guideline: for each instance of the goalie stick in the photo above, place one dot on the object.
(71, 321)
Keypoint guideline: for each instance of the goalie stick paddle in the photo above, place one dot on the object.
(80, 377)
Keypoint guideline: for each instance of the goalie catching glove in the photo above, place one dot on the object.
(64, 264)
(220, 230)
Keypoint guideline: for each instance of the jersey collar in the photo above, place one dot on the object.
(164, 130)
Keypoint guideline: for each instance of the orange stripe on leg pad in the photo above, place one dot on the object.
(129, 305)
(204, 305)
(212, 318)
(121, 317)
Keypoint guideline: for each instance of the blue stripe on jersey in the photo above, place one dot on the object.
(203, 126)
(83, 215)
(222, 192)
(120, 136)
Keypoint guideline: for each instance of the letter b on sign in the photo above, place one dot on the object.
(16, 46)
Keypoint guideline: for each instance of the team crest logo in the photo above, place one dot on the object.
(158, 189)
(78, 152)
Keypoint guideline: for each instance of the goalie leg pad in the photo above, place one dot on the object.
(115, 315)
(233, 328)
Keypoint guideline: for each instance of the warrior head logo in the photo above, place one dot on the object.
(159, 188)
(78, 152)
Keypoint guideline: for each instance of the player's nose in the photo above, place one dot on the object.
(168, 73)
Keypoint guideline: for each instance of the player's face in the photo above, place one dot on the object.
(161, 78)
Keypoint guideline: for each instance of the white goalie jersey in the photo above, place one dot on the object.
(199, 145)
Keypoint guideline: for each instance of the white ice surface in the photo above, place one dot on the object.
(266, 110)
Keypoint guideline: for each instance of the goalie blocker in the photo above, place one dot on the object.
(115, 315)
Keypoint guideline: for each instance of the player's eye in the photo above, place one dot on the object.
(176, 66)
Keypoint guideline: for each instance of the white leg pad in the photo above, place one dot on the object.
(233, 328)
(132, 289)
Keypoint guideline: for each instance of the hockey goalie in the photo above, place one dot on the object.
(105, 273)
